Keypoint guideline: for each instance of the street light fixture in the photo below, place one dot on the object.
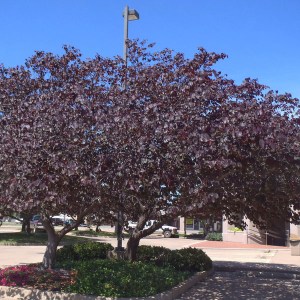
(129, 15)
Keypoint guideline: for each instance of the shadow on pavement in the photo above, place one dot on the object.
(237, 285)
(262, 267)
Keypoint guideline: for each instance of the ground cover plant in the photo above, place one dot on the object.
(112, 278)
(84, 269)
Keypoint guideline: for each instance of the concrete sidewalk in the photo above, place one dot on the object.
(230, 251)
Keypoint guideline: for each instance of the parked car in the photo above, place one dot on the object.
(57, 221)
(70, 222)
(36, 223)
(167, 230)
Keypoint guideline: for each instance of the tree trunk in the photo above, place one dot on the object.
(132, 246)
(49, 258)
(137, 234)
(26, 225)
(54, 238)
(23, 226)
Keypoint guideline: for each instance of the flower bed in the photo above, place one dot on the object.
(34, 276)
(84, 269)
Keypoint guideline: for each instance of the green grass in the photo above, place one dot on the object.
(22, 238)
(94, 233)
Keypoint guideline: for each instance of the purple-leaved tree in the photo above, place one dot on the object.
(177, 139)
(186, 140)
(50, 140)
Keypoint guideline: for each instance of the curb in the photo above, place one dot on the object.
(10, 293)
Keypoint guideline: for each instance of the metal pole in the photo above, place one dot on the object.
(120, 212)
(128, 16)
(125, 15)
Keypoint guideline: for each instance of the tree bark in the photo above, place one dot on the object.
(26, 225)
(49, 258)
(54, 238)
(137, 234)
(132, 246)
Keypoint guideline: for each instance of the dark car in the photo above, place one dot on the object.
(57, 221)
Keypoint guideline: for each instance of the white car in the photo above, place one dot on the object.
(167, 230)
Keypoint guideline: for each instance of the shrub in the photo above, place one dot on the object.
(113, 278)
(155, 254)
(66, 253)
(84, 251)
(214, 236)
(190, 259)
(187, 259)
(196, 236)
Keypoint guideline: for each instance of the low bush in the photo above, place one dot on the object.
(154, 254)
(83, 251)
(196, 236)
(190, 259)
(187, 259)
(113, 278)
(214, 236)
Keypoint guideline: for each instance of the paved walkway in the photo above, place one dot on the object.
(251, 253)
(243, 285)
(248, 272)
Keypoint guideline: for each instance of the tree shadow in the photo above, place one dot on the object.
(234, 280)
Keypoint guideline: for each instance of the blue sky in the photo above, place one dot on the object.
(261, 37)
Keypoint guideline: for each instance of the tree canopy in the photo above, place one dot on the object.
(161, 137)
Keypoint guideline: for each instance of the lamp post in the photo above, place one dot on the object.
(128, 15)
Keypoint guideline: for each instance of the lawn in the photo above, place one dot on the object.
(93, 233)
(40, 238)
